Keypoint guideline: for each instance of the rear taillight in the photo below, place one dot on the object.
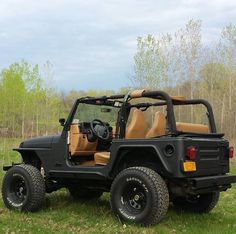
(191, 152)
(231, 152)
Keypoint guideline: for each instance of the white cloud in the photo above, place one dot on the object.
(213, 4)
(96, 39)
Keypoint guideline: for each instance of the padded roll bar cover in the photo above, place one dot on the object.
(137, 93)
(178, 98)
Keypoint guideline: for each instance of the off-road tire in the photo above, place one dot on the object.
(203, 203)
(83, 194)
(23, 188)
(140, 195)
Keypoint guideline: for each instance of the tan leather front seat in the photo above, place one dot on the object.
(79, 144)
(101, 158)
(159, 125)
(137, 127)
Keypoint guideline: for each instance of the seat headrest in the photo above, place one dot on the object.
(159, 125)
(137, 127)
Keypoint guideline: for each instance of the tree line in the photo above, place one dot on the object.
(30, 105)
(180, 63)
(183, 64)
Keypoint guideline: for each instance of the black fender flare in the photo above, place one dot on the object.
(126, 150)
(30, 156)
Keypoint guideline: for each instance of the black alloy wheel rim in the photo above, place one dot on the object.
(17, 190)
(134, 198)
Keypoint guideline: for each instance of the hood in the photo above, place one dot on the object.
(39, 142)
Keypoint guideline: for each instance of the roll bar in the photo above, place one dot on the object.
(124, 100)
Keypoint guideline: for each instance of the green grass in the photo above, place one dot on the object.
(62, 215)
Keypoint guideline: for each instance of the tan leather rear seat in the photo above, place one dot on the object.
(189, 127)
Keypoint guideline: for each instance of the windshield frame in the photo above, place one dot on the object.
(100, 101)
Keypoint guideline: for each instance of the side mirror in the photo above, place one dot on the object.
(62, 121)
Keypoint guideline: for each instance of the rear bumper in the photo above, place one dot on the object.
(210, 183)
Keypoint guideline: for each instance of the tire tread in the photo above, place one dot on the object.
(37, 186)
(160, 191)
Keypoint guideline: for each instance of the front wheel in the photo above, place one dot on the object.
(23, 188)
(140, 195)
(202, 203)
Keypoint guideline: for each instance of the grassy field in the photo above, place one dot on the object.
(62, 215)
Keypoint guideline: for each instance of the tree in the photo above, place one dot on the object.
(213, 85)
(28, 107)
(152, 62)
(169, 60)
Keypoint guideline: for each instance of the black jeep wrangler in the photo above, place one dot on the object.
(107, 145)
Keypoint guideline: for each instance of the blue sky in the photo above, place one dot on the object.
(91, 43)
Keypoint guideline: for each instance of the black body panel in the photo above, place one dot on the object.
(212, 154)
(212, 162)
(39, 142)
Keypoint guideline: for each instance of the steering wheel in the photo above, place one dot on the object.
(100, 129)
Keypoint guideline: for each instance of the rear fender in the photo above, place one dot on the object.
(148, 156)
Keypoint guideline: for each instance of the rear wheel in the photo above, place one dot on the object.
(140, 195)
(202, 203)
(23, 188)
(84, 194)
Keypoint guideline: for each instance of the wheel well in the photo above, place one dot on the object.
(30, 157)
(145, 157)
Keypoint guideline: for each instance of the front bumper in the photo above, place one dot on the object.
(210, 183)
